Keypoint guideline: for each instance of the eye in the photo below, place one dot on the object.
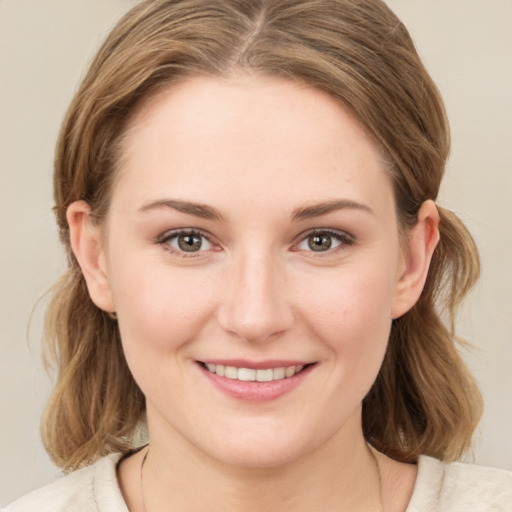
(324, 241)
(187, 241)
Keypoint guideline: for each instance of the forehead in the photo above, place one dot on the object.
(275, 137)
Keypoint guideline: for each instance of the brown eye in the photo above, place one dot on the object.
(320, 242)
(190, 242)
(187, 242)
(325, 240)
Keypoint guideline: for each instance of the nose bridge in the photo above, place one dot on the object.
(255, 306)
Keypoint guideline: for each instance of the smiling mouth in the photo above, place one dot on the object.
(253, 375)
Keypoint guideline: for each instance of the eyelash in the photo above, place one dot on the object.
(166, 239)
(344, 239)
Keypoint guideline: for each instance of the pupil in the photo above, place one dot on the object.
(319, 242)
(189, 243)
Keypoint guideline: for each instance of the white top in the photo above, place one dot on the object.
(440, 487)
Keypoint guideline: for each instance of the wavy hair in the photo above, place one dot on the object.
(424, 401)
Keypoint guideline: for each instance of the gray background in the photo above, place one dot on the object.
(44, 46)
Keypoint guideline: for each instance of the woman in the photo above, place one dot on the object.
(247, 194)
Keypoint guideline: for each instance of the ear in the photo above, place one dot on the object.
(422, 239)
(87, 244)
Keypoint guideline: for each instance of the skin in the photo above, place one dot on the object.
(259, 152)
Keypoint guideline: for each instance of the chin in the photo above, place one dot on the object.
(258, 450)
(257, 458)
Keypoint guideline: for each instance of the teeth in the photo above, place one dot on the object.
(251, 375)
(265, 375)
(231, 372)
(246, 374)
(279, 373)
(290, 372)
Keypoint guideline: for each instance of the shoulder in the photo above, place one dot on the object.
(90, 489)
(455, 486)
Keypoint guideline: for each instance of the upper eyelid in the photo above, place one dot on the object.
(330, 231)
(179, 231)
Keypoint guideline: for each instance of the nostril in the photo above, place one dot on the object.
(260, 324)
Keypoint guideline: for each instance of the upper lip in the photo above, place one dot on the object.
(257, 365)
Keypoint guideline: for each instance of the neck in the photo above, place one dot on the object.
(341, 474)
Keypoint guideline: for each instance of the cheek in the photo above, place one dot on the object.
(351, 313)
(159, 308)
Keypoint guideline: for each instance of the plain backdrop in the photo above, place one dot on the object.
(44, 47)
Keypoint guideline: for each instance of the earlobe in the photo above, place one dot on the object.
(423, 238)
(87, 246)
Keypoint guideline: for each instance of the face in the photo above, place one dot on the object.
(253, 258)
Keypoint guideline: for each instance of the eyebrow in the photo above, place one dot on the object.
(198, 210)
(207, 212)
(317, 210)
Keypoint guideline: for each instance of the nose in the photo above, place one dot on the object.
(254, 306)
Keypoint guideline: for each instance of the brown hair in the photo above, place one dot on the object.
(424, 401)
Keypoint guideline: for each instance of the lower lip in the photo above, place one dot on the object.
(256, 391)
